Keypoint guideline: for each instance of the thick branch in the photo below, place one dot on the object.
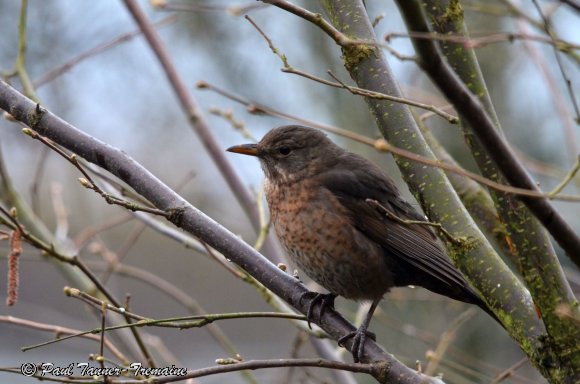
(471, 109)
(530, 245)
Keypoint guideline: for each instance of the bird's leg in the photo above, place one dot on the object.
(326, 300)
(360, 335)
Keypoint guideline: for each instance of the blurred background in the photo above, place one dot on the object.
(122, 97)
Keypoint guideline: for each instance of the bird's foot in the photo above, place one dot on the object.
(359, 338)
(326, 300)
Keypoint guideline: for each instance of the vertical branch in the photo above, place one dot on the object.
(473, 112)
(539, 263)
(476, 199)
(531, 248)
(21, 57)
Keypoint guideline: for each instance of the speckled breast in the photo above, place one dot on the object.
(318, 235)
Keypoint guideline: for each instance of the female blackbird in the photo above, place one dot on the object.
(328, 209)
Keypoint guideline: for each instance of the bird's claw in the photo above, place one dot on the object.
(358, 342)
(326, 300)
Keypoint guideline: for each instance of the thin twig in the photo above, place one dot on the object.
(231, 366)
(88, 182)
(37, 180)
(69, 64)
(567, 80)
(569, 176)
(76, 261)
(237, 125)
(287, 68)
(21, 57)
(390, 215)
(234, 10)
(184, 322)
(446, 339)
(59, 330)
(460, 356)
(510, 371)
(398, 55)
(109, 223)
(479, 42)
(382, 145)
(557, 96)
(130, 240)
(101, 357)
(316, 19)
(176, 294)
(381, 96)
(264, 222)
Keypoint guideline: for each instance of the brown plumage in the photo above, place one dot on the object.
(318, 198)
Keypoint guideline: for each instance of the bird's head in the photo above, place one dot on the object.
(289, 153)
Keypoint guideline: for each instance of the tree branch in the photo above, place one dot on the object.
(533, 250)
(473, 112)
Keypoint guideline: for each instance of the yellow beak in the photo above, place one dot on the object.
(244, 149)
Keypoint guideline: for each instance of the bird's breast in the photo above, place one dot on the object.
(319, 235)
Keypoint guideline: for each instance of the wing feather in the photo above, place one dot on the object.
(411, 244)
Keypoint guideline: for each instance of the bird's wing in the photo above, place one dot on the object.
(414, 244)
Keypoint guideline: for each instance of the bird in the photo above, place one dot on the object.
(343, 222)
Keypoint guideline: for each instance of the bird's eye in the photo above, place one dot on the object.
(284, 151)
